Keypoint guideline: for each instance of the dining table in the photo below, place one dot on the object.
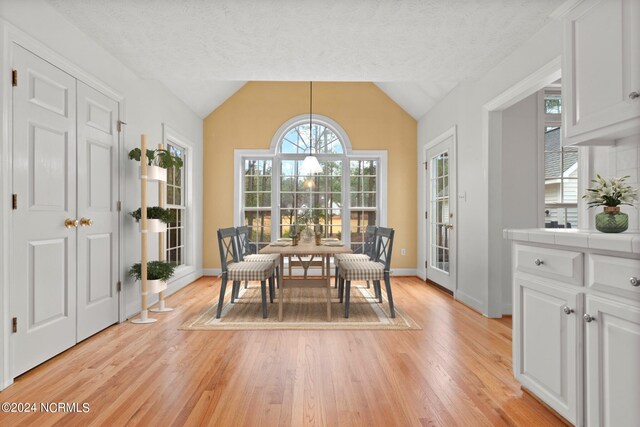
(309, 251)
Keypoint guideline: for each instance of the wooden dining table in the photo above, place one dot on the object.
(324, 251)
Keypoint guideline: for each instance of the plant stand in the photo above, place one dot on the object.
(144, 314)
(162, 253)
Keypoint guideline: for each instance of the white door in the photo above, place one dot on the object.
(441, 194)
(98, 155)
(612, 367)
(43, 281)
(546, 353)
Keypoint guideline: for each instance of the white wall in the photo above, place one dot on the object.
(147, 105)
(520, 179)
(479, 279)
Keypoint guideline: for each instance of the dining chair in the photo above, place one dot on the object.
(375, 270)
(248, 251)
(364, 253)
(237, 271)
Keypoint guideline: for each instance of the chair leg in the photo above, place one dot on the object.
(368, 285)
(347, 298)
(277, 277)
(376, 284)
(387, 282)
(336, 273)
(246, 284)
(233, 291)
(271, 289)
(223, 288)
(238, 290)
(340, 289)
(263, 288)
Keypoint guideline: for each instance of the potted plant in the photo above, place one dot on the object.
(611, 193)
(157, 218)
(158, 273)
(158, 161)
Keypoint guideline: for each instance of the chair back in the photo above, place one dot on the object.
(245, 245)
(228, 247)
(384, 246)
(370, 241)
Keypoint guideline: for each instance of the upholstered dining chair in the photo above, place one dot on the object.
(248, 251)
(237, 271)
(375, 270)
(365, 253)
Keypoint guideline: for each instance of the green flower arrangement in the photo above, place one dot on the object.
(611, 192)
(156, 270)
(155, 212)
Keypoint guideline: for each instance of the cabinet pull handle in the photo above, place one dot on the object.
(567, 310)
(634, 95)
(634, 281)
(538, 261)
(589, 318)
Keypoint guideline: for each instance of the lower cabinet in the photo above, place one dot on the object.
(546, 355)
(612, 356)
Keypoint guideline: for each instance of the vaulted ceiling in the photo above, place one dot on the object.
(204, 50)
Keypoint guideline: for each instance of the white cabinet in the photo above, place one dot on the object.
(546, 343)
(612, 363)
(576, 324)
(601, 71)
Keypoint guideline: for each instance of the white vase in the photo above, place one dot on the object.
(155, 226)
(155, 286)
(155, 173)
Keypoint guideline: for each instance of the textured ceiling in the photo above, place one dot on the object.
(204, 50)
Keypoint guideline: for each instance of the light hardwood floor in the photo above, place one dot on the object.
(455, 371)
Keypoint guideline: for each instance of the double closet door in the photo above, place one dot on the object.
(64, 265)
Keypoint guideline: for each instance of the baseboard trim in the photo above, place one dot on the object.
(507, 309)
(211, 272)
(439, 287)
(470, 301)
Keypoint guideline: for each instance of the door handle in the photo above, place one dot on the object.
(86, 222)
(70, 223)
(449, 226)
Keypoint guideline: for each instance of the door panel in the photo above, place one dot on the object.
(441, 193)
(546, 344)
(613, 372)
(43, 285)
(98, 152)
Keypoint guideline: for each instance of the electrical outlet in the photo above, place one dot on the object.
(403, 251)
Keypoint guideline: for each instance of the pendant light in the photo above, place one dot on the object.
(310, 165)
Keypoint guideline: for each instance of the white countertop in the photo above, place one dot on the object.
(589, 239)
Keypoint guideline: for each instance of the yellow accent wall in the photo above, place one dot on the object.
(250, 118)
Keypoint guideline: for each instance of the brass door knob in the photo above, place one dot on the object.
(86, 222)
(70, 223)
(449, 226)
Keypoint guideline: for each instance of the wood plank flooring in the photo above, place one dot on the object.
(455, 371)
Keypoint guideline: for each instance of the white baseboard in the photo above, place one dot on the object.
(317, 272)
(507, 309)
(211, 272)
(467, 299)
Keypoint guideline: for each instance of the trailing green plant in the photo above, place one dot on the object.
(611, 192)
(155, 212)
(156, 270)
(159, 157)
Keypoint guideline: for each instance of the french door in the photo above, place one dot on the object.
(440, 217)
(65, 221)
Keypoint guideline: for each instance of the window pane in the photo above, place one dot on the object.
(552, 164)
(553, 104)
(552, 191)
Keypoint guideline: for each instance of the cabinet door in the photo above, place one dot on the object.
(612, 364)
(546, 355)
(601, 69)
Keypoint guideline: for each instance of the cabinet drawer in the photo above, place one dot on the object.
(614, 275)
(565, 266)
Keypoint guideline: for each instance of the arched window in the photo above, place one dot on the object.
(343, 199)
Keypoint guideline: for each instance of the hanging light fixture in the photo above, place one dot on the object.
(310, 165)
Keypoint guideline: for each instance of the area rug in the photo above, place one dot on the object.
(303, 309)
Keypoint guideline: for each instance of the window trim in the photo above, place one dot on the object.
(240, 155)
(171, 136)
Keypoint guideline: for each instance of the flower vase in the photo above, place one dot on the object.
(612, 220)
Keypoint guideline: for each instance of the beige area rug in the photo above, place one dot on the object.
(303, 309)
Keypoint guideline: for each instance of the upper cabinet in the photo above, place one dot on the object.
(601, 71)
